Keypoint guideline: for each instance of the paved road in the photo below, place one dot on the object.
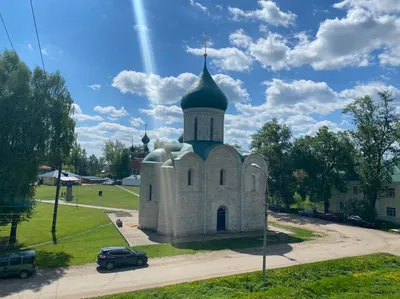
(86, 281)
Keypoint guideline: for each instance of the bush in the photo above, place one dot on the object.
(298, 202)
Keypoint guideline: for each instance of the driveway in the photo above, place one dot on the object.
(86, 281)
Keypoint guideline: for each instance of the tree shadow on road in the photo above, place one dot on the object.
(36, 282)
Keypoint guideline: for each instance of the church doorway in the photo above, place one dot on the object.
(221, 219)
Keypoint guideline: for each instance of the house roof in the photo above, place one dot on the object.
(54, 174)
(93, 178)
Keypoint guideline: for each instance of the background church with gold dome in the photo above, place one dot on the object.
(201, 185)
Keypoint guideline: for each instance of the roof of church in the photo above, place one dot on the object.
(204, 93)
(178, 150)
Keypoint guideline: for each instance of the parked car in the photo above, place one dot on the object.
(358, 221)
(19, 264)
(308, 213)
(275, 207)
(110, 257)
(329, 217)
(109, 182)
(118, 182)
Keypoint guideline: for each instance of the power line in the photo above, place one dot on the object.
(5, 28)
(37, 36)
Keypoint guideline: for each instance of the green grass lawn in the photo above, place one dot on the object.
(70, 221)
(372, 276)
(65, 252)
(113, 196)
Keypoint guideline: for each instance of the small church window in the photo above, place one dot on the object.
(195, 128)
(211, 128)
(150, 192)
(253, 183)
(190, 177)
(222, 177)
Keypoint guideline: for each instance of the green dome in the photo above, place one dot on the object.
(204, 93)
(158, 155)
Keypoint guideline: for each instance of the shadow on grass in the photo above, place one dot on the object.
(43, 277)
(120, 269)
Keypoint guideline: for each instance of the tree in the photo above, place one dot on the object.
(23, 141)
(78, 159)
(123, 165)
(94, 166)
(326, 158)
(112, 151)
(376, 137)
(159, 143)
(273, 141)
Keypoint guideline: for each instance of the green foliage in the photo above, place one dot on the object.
(122, 165)
(298, 202)
(77, 159)
(376, 137)
(113, 152)
(273, 141)
(94, 168)
(355, 277)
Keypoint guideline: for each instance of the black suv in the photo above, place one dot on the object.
(111, 257)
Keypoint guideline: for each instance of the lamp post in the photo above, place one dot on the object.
(266, 221)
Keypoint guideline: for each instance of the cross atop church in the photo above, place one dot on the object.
(205, 40)
(145, 127)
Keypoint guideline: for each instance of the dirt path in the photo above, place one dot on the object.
(87, 281)
(134, 193)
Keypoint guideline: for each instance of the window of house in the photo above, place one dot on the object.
(195, 128)
(211, 128)
(190, 177)
(355, 190)
(150, 192)
(390, 212)
(390, 193)
(222, 177)
(341, 205)
(253, 183)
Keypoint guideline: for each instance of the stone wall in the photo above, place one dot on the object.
(204, 116)
(189, 213)
(227, 195)
(166, 214)
(253, 195)
(148, 209)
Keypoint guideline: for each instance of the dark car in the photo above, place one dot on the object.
(275, 207)
(118, 182)
(329, 217)
(308, 213)
(18, 264)
(358, 221)
(111, 257)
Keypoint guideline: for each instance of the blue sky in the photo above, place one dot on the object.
(127, 63)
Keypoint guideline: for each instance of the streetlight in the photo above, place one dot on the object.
(266, 220)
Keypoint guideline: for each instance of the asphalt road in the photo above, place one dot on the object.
(87, 281)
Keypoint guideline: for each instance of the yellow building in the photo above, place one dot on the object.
(387, 206)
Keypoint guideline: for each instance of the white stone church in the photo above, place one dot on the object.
(201, 185)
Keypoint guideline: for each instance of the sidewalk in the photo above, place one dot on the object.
(62, 202)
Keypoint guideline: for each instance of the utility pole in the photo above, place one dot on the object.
(53, 227)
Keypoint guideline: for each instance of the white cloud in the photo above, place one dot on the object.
(198, 5)
(169, 90)
(218, 6)
(376, 6)
(263, 28)
(80, 116)
(136, 121)
(271, 52)
(95, 86)
(269, 13)
(169, 114)
(240, 39)
(228, 59)
(30, 47)
(140, 28)
(45, 52)
(113, 113)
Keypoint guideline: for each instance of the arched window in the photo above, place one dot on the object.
(222, 177)
(189, 177)
(212, 128)
(253, 183)
(195, 128)
(150, 192)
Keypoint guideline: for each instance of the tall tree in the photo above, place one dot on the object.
(112, 151)
(23, 141)
(273, 141)
(376, 137)
(326, 158)
(122, 165)
(93, 165)
(78, 159)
